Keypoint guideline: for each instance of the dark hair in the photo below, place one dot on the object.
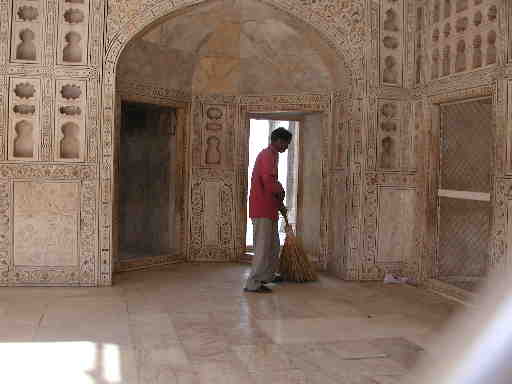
(281, 134)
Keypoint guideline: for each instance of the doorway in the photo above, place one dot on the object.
(259, 139)
(148, 188)
(300, 173)
(464, 197)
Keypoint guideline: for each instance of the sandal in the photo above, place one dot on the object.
(261, 289)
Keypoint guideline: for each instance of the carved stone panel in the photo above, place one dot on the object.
(24, 119)
(464, 38)
(389, 244)
(339, 224)
(388, 137)
(214, 123)
(211, 213)
(392, 44)
(212, 216)
(418, 45)
(70, 117)
(73, 35)
(46, 221)
(49, 212)
(213, 132)
(396, 224)
(341, 145)
(27, 39)
(408, 139)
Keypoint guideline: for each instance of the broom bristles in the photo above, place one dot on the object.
(294, 263)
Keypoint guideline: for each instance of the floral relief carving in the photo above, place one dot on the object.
(83, 177)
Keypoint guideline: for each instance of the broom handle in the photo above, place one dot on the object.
(285, 216)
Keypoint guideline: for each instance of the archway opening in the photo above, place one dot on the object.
(208, 61)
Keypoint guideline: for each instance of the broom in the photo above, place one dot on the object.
(294, 263)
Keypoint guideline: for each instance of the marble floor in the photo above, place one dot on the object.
(192, 324)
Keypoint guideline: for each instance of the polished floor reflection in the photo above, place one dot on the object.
(192, 324)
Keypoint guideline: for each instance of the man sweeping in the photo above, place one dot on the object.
(266, 199)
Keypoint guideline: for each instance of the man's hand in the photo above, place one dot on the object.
(280, 196)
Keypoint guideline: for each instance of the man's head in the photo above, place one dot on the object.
(280, 139)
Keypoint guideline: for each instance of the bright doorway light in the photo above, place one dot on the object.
(259, 139)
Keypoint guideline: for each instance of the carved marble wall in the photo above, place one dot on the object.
(51, 54)
(212, 206)
(464, 51)
(471, 40)
(461, 36)
(59, 88)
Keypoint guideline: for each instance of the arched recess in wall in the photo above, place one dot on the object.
(234, 48)
(344, 42)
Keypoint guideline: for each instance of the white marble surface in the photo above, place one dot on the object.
(192, 324)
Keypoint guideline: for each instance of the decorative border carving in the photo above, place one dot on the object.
(6, 259)
(458, 94)
(5, 29)
(310, 99)
(150, 93)
(241, 181)
(49, 171)
(502, 214)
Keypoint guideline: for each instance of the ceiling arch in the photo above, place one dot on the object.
(234, 47)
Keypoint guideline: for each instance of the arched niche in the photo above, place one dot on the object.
(233, 48)
(345, 40)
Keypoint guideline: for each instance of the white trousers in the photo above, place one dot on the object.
(265, 262)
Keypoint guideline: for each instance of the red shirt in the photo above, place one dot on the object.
(264, 184)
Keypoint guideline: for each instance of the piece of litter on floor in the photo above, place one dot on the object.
(389, 278)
